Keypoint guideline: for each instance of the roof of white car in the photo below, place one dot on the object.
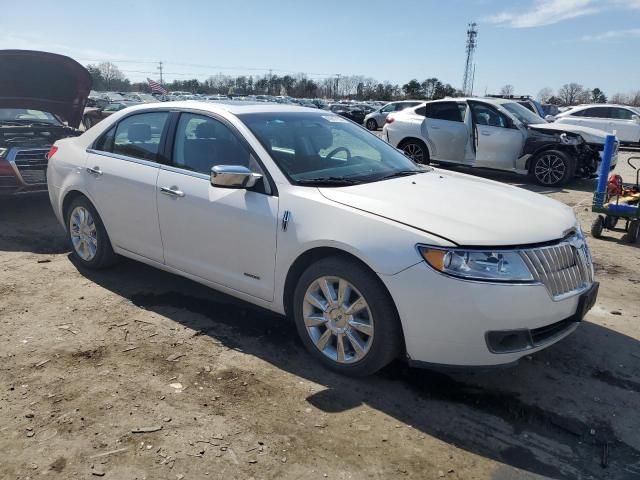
(231, 106)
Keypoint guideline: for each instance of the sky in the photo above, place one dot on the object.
(530, 44)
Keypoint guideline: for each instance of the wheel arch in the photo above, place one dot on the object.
(302, 262)
(567, 149)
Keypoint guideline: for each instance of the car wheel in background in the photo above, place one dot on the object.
(552, 168)
(372, 124)
(345, 317)
(416, 150)
(90, 244)
(597, 226)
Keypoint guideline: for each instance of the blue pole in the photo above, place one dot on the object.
(605, 166)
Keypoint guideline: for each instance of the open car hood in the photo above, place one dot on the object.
(44, 81)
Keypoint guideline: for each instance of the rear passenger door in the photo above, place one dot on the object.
(122, 169)
(225, 236)
(445, 131)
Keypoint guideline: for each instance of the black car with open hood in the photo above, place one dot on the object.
(42, 100)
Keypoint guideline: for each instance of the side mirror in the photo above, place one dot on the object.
(550, 118)
(635, 118)
(233, 176)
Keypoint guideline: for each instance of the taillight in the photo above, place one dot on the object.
(5, 168)
(52, 152)
(390, 120)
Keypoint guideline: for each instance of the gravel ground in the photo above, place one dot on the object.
(133, 373)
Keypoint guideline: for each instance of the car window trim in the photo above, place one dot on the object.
(170, 141)
(140, 161)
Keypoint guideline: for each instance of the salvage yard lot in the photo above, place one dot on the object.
(133, 373)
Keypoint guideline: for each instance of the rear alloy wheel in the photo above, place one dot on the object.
(89, 241)
(416, 150)
(372, 124)
(552, 168)
(345, 317)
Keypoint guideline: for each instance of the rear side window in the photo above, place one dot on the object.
(421, 111)
(139, 135)
(105, 143)
(444, 111)
(621, 113)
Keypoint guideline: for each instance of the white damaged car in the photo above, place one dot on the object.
(307, 214)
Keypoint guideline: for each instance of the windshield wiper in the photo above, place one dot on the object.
(400, 173)
(327, 181)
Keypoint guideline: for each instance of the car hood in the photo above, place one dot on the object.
(466, 210)
(44, 81)
(590, 135)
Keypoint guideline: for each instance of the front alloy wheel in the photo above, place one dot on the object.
(338, 319)
(552, 168)
(345, 316)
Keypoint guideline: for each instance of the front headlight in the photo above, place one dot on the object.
(487, 265)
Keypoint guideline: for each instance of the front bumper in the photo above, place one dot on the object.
(446, 320)
(23, 171)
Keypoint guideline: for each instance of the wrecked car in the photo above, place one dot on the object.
(42, 98)
(497, 134)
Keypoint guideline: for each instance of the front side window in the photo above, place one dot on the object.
(389, 108)
(139, 135)
(444, 111)
(484, 114)
(325, 149)
(203, 142)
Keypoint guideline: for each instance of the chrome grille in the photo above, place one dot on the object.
(32, 165)
(564, 268)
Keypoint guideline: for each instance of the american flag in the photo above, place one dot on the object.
(156, 87)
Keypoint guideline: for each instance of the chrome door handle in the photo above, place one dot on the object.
(94, 170)
(172, 191)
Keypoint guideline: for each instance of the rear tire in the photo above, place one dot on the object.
(597, 226)
(416, 150)
(351, 342)
(633, 233)
(90, 244)
(552, 168)
(372, 124)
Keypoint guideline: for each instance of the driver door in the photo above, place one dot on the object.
(498, 142)
(226, 236)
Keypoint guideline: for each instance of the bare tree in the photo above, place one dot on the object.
(570, 93)
(110, 73)
(619, 98)
(634, 98)
(545, 94)
(507, 90)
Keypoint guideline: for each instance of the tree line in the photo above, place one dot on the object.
(107, 76)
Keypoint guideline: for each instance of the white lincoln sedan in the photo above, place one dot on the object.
(307, 214)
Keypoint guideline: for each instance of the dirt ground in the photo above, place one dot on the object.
(133, 373)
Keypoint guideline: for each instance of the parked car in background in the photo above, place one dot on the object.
(42, 96)
(622, 120)
(526, 101)
(375, 120)
(94, 115)
(353, 113)
(141, 97)
(499, 134)
(232, 196)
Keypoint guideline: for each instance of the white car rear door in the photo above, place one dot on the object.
(498, 142)
(122, 170)
(622, 121)
(226, 236)
(445, 131)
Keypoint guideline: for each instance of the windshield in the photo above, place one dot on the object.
(523, 114)
(325, 148)
(26, 115)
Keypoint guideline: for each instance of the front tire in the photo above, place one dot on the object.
(90, 244)
(416, 150)
(345, 317)
(372, 124)
(553, 168)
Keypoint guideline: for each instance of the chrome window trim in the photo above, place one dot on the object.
(125, 158)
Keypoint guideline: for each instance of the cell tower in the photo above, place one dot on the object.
(472, 43)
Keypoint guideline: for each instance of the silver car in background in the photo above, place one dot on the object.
(376, 119)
